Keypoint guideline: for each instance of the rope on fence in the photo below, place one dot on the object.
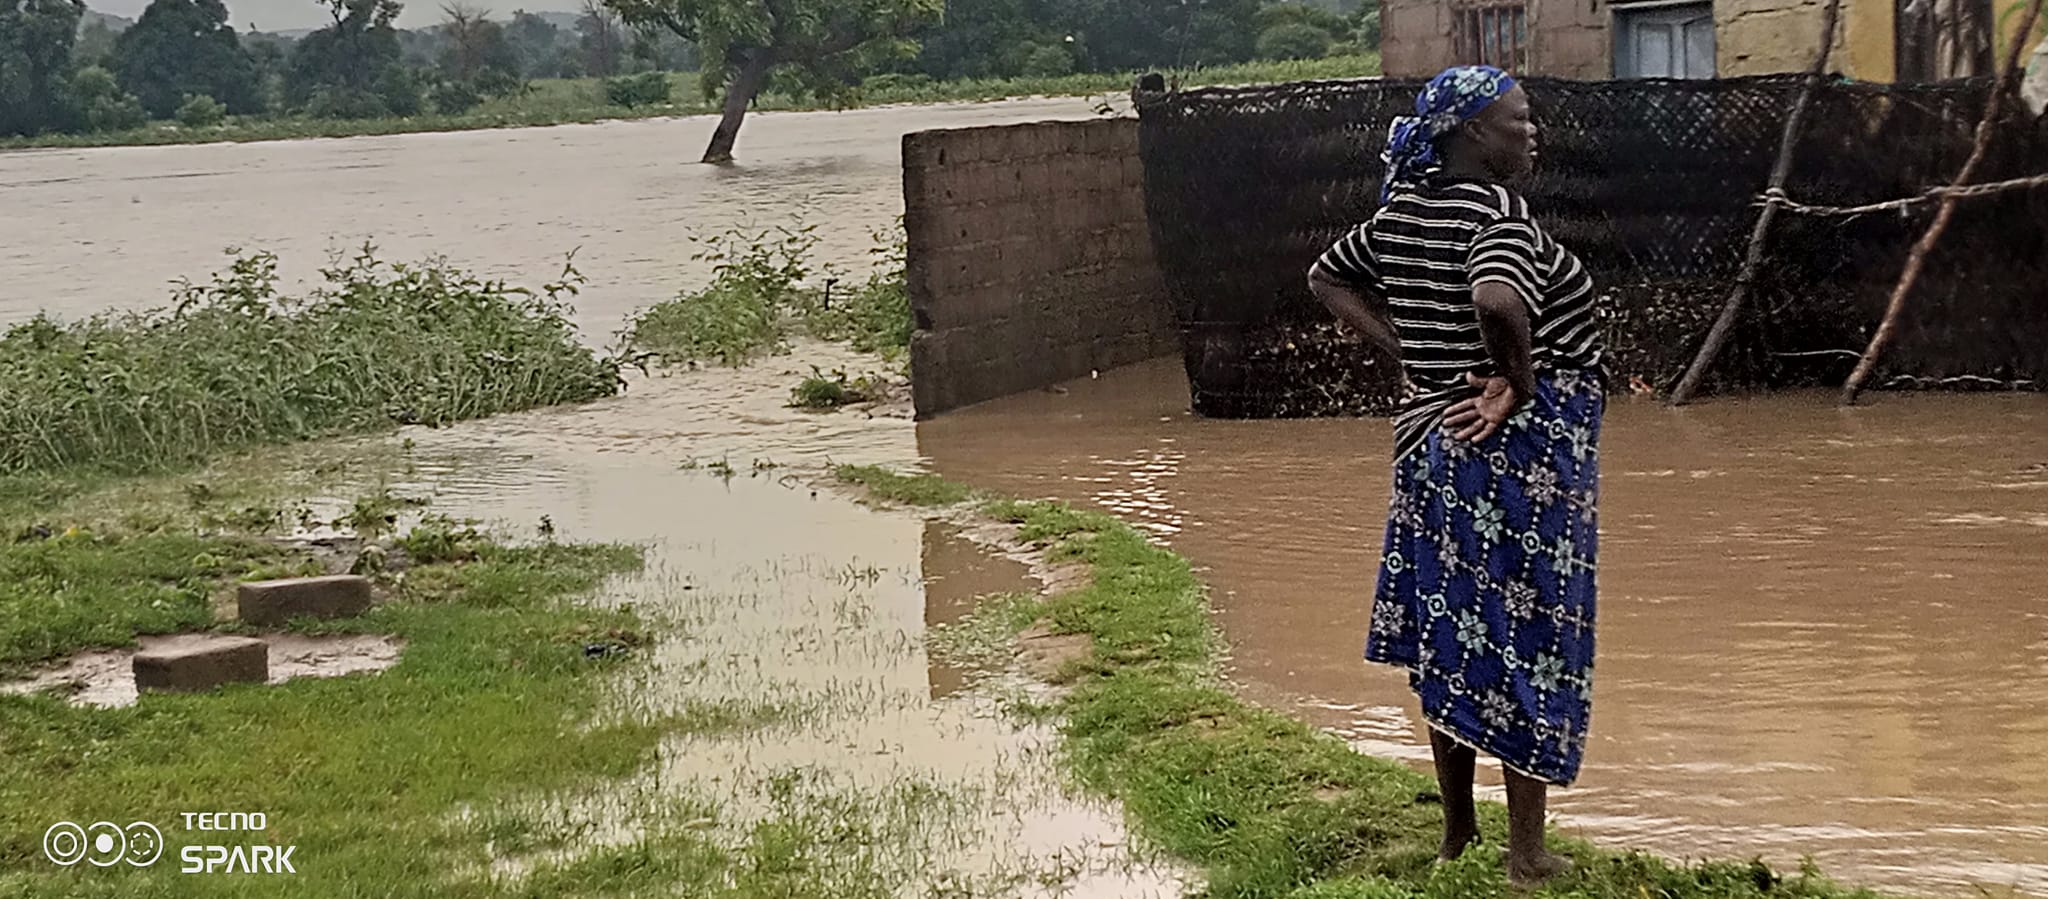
(1975, 190)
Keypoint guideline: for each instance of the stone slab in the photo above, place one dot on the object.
(272, 603)
(201, 662)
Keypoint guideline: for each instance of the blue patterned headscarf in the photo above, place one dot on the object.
(1452, 98)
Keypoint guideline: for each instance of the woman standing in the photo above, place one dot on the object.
(1486, 581)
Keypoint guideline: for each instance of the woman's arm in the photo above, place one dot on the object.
(1352, 306)
(1504, 325)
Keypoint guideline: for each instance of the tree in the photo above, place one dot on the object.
(822, 46)
(350, 56)
(1294, 40)
(103, 105)
(475, 44)
(182, 48)
(983, 39)
(536, 42)
(602, 38)
(1128, 35)
(35, 64)
(95, 44)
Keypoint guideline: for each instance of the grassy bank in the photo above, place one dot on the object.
(561, 102)
(1268, 806)
(366, 774)
(234, 364)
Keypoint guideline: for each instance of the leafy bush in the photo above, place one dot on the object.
(1048, 61)
(756, 278)
(233, 364)
(819, 391)
(645, 89)
(403, 94)
(500, 83)
(1294, 40)
(763, 279)
(103, 104)
(456, 97)
(343, 103)
(875, 316)
(201, 111)
(895, 81)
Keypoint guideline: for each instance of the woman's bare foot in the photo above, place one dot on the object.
(1536, 870)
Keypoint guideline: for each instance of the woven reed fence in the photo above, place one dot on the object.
(1654, 184)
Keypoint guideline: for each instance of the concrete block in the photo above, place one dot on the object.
(272, 603)
(201, 662)
(921, 149)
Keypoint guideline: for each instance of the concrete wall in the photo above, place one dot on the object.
(1029, 259)
(1572, 38)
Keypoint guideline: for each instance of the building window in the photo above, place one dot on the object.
(1496, 34)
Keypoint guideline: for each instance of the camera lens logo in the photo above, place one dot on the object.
(104, 844)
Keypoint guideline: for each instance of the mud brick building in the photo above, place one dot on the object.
(1878, 40)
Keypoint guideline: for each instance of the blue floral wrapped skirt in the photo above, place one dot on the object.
(1486, 586)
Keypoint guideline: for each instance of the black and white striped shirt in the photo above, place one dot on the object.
(1426, 249)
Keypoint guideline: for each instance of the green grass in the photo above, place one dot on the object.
(234, 364)
(1266, 805)
(492, 698)
(913, 489)
(764, 288)
(821, 391)
(562, 102)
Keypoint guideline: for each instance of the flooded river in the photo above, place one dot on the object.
(88, 230)
(1822, 632)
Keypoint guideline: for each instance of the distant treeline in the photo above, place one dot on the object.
(66, 70)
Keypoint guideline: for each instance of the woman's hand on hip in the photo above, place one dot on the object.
(1478, 418)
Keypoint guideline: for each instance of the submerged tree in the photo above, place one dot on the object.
(821, 46)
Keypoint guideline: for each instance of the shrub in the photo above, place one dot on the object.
(1294, 40)
(201, 111)
(456, 98)
(631, 91)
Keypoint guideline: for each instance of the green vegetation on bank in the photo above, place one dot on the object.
(764, 288)
(585, 100)
(365, 774)
(234, 364)
(1266, 805)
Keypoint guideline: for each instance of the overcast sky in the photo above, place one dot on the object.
(285, 15)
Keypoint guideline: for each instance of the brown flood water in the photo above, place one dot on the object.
(1822, 632)
(89, 230)
(787, 595)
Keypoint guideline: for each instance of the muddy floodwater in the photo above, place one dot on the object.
(1822, 632)
(89, 230)
(786, 597)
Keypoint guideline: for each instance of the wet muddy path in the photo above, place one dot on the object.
(795, 603)
(1822, 632)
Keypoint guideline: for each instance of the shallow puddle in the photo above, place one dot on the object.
(1822, 631)
(802, 611)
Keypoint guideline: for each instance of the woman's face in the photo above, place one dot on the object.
(1504, 135)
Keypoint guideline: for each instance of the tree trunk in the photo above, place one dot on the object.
(746, 84)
